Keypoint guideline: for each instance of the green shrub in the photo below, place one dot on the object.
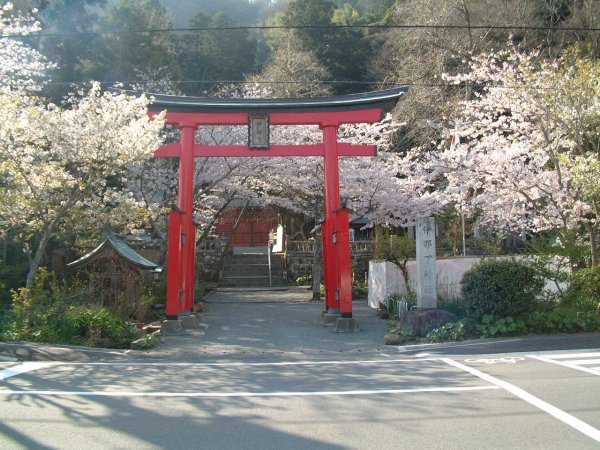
(11, 277)
(54, 311)
(500, 288)
(394, 328)
(100, 327)
(505, 326)
(148, 341)
(584, 293)
(360, 289)
(560, 320)
(456, 331)
(304, 280)
(563, 320)
(454, 305)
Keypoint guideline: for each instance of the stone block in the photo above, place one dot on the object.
(328, 319)
(189, 322)
(172, 328)
(345, 325)
(419, 322)
(393, 339)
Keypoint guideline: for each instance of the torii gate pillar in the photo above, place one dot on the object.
(188, 113)
(335, 232)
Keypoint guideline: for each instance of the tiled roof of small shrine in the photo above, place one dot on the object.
(120, 245)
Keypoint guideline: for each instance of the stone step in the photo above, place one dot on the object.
(255, 268)
(252, 271)
(250, 281)
(237, 264)
(262, 273)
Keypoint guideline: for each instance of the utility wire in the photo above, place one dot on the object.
(306, 27)
(331, 82)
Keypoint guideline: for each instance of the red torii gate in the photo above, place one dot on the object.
(189, 113)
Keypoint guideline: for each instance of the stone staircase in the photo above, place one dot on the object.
(252, 270)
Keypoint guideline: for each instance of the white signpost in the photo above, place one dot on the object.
(426, 270)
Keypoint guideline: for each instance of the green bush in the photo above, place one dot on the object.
(100, 327)
(560, 320)
(456, 331)
(304, 280)
(506, 326)
(404, 337)
(500, 288)
(563, 320)
(11, 277)
(148, 341)
(454, 305)
(54, 311)
(360, 289)
(584, 292)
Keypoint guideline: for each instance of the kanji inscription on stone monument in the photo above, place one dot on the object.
(426, 268)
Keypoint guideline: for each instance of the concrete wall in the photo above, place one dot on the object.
(450, 272)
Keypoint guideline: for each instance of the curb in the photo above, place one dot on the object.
(14, 352)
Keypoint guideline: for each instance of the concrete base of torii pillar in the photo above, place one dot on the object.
(345, 325)
(172, 327)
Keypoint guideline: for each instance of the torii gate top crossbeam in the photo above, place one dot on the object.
(383, 101)
(368, 107)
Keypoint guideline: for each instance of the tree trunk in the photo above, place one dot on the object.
(317, 269)
(593, 244)
(4, 249)
(34, 263)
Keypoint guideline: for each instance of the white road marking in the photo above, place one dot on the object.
(571, 355)
(584, 362)
(502, 360)
(575, 364)
(22, 368)
(561, 415)
(245, 394)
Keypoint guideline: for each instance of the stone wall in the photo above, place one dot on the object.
(300, 254)
(209, 259)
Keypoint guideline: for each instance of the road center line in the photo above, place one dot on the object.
(567, 418)
(245, 394)
(22, 368)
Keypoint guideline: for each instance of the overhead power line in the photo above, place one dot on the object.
(330, 82)
(308, 27)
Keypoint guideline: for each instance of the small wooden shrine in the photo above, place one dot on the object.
(115, 272)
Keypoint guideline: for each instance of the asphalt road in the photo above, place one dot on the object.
(243, 382)
(491, 401)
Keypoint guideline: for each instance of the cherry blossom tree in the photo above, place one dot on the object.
(22, 68)
(61, 165)
(529, 147)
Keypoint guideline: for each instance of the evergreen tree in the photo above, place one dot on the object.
(125, 55)
(343, 51)
(211, 56)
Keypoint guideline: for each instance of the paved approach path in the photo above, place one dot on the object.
(248, 322)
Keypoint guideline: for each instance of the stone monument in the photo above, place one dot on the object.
(426, 270)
